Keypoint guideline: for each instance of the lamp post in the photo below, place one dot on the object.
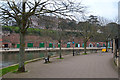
(73, 46)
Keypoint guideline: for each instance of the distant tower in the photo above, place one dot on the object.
(119, 12)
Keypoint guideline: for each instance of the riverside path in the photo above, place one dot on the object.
(96, 65)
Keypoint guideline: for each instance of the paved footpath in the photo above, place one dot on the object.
(97, 65)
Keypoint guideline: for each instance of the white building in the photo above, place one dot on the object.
(119, 12)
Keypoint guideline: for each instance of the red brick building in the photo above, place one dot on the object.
(12, 41)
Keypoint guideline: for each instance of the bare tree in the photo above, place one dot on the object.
(49, 22)
(21, 11)
(108, 30)
(87, 29)
(103, 21)
(48, 35)
(62, 25)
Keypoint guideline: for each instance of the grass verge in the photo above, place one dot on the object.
(84, 53)
(8, 69)
(59, 58)
(14, 67)
(18, 72)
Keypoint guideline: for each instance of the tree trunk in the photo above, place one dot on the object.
(114, 49)
(106, 46)
(85, 45)
(60, 51)
(21, 67)
(46, 54)
(112, 45)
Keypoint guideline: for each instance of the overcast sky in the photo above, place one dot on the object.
(104, 8)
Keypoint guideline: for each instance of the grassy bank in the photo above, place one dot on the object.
(14, 67)
(84, 53)
(8, 69)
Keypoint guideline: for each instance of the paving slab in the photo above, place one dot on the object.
(97, 65)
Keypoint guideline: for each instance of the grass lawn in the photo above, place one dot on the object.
(59, 58)
(8, 69)
(84, 53)
(14, 67)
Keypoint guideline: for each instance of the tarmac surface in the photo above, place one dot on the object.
(96, 65)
